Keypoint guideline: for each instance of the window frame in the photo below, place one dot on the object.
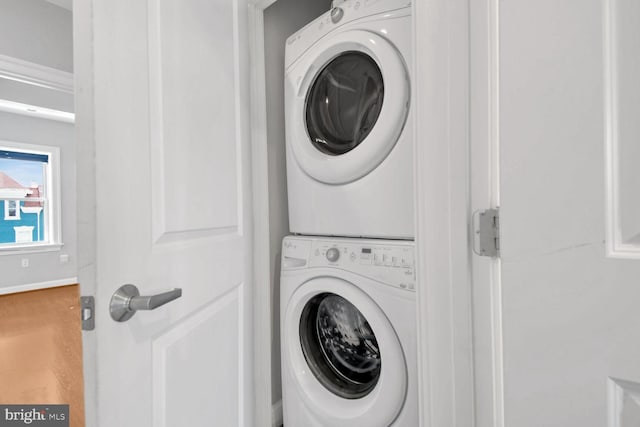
(53, 200)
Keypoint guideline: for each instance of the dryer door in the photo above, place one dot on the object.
(349, 105)
(338, 333)
(344, 103)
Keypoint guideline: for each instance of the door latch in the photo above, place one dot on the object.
(87, 313)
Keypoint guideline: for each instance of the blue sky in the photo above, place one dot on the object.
(25, 172)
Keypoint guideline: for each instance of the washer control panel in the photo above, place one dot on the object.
(390, 262)
(333, 254)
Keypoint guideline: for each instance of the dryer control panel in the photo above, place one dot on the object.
(390, 262)
(347, 12)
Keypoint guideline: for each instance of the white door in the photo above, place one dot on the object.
(170, 82)
(566, 323)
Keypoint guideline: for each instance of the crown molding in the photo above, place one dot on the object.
(35, 74)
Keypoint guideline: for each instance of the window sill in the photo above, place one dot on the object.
(30, 248)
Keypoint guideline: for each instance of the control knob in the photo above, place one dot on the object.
(333, 254)
(336, 14)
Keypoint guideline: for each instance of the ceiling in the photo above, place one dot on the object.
(67, 4)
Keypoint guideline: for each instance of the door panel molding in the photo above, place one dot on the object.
(209, 322)
(184, 198)
(622, 178)
(170, 237)
(623, 403)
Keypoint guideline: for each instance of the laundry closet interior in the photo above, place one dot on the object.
(281, 19)
(376, 239)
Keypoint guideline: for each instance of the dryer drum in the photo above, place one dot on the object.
(339, 346)
(344, 103)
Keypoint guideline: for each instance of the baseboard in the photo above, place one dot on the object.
(40, 285)
(276, 414)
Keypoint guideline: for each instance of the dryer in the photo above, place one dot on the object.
(348, 333)
(349, 136)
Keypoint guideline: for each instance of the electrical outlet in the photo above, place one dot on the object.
(64, 258)
(25, 262)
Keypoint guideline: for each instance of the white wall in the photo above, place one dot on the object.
(37, 31)
(42, 33)
(44, 266)
(281, 20)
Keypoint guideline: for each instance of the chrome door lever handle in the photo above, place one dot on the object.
(154, 301)
(127, 300)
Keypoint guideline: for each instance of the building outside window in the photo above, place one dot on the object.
(29, 196)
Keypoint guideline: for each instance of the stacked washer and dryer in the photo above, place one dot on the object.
(348, 323)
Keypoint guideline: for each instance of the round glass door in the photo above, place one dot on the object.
(339, 346)
(344, 103)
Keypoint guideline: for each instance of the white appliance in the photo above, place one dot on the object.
(348, 333)
(348, 128)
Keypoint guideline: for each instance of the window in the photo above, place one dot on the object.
(29, 191)
(11, 210)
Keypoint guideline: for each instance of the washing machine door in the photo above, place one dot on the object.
(336, 332)
(350, 105)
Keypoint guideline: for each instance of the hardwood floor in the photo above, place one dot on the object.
(41, 349)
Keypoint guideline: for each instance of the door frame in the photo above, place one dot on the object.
(443, 214)
(262, 313)
(85, 193)
(484, 186)
(441, 92)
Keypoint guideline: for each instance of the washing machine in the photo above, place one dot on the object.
(348, 333)
(349, 137)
